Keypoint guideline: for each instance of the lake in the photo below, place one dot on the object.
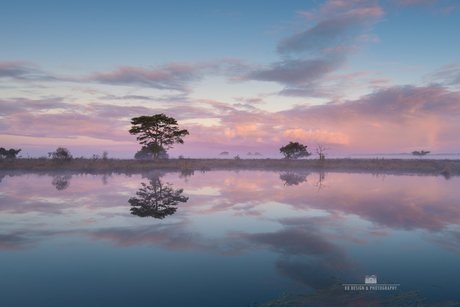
(222, 238)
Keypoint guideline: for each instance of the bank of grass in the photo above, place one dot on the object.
(427, 166)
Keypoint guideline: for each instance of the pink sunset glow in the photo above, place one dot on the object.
(325, 81)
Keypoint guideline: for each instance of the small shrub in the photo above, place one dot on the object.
(237, 157)
(147, 153)
(105, 155)
(61, 154)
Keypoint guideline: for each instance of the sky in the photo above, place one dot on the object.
(358, 76)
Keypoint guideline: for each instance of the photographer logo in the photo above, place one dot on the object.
(372, 279)
(370, 284)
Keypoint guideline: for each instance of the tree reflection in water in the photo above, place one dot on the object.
(291, 178)
(61, 182)
(320, 183)
(157, 199)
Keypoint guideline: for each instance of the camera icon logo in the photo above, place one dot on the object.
(372, 279)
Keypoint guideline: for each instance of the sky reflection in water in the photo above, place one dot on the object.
(222, 238)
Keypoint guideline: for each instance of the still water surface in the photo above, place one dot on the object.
(222, 238)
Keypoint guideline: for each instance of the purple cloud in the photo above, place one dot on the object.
(449, 74)
(19, 105)
(302, 77)
(338, 26)
(173, 76)
(337, 23)
(24, 71)
(296, 72)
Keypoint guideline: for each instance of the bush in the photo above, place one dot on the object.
(61, 154)
(10, 153)
(147, 153)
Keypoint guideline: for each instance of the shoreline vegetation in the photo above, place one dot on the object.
(445, 167)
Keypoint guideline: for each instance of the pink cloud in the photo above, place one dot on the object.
(415, 2)
(251, 100)
(381, 80)
(447, 10)
(317, 136)
(418, 116)
(397, 118)
(367, 38)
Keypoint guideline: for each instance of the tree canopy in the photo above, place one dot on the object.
(294, 150)
(157, 132)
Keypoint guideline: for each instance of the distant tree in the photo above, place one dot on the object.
(157, 132)
(61, 154)
(224, 153)
(294, 150)
(146, 153)
(320, 151)
(10, 153)
(257, 154)
(420, 153)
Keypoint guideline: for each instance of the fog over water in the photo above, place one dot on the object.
(222, 238)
